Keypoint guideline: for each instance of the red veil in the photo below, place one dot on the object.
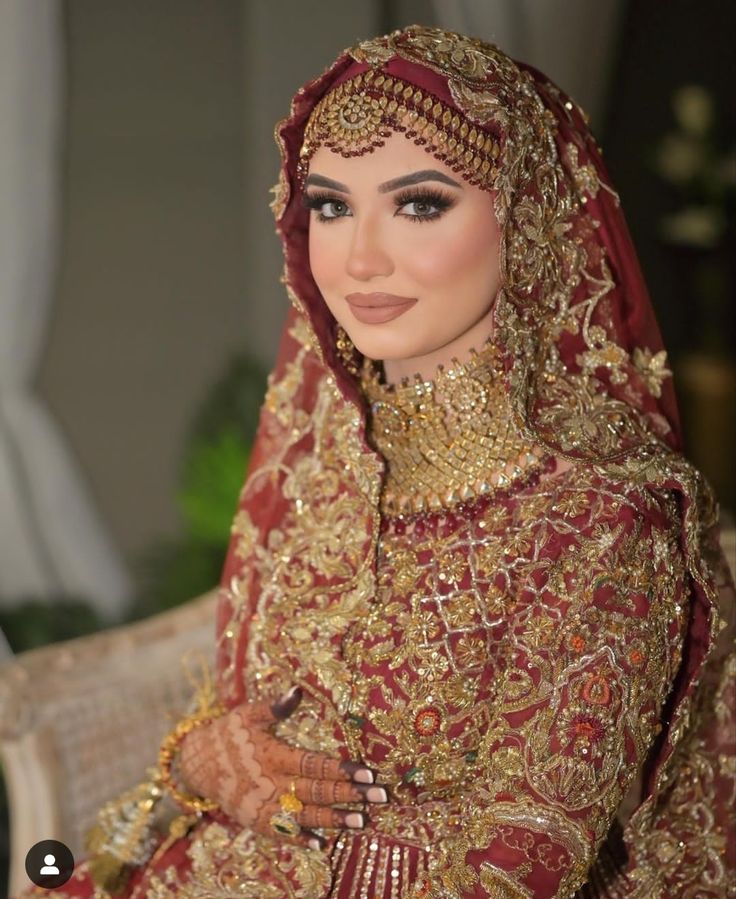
(586, 372)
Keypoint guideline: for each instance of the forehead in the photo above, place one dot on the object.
(398, 156)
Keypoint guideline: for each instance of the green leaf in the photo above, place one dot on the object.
(213, 476)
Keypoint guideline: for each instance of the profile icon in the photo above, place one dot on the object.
(49, 864)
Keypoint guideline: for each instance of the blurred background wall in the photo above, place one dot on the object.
(152, 290)
(169, 263)
(166, 262)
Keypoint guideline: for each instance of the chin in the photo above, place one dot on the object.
(387, 345)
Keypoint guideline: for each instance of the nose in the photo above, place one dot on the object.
(367, 256)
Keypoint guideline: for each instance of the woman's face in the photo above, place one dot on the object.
(398, 225)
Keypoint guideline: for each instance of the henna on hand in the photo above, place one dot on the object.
(238, 763)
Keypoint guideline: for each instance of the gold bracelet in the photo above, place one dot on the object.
(170, 748)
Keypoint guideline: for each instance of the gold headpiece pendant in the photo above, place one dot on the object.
(358, 115)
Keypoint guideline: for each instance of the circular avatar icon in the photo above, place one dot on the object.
(49, 864)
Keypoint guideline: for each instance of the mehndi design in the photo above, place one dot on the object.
(239, 763)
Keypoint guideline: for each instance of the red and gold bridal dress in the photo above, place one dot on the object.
(537, 664)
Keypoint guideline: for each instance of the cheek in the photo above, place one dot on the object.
(463, 251)
(329, 246)
(327, 264)
(319, 259)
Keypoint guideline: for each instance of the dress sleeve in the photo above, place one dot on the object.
(591, 662)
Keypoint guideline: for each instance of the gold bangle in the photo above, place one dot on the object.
(170, 748)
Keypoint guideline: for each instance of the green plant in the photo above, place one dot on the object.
(34, 621)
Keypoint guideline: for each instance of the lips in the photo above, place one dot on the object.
(375, 300)
(377, 308)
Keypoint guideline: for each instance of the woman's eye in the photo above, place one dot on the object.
(423, 207)
(333, 209)
(420, 209)
(327, 208)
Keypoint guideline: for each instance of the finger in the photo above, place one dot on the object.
(261, 712)
(316, 766)
(306, 837)
(310, 816)
(324, 816)
(256, 713)
(313, 839)
(337, 792)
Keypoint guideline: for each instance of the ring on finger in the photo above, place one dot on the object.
(285, 821)
(290, 802)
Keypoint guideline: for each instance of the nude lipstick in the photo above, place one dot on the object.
(377, 308)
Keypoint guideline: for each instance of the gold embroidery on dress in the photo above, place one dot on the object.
(228, 864)
(652, 368)
(283, 567)
(448, 440)
(557, 282)
(433, 721)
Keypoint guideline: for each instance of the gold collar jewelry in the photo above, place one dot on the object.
(447, 440)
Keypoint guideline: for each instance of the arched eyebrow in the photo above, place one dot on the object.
(416, 178)
(387, 186)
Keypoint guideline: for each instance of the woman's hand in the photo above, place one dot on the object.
(235, 761)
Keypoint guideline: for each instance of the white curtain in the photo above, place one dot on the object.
(571, 41)
(52, 542)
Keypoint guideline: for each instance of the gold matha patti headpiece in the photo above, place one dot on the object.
(358, 115)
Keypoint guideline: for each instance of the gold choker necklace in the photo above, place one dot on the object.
(448, 440)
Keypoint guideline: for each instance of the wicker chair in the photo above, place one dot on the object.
(81, 720)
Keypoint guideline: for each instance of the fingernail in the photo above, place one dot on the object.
(372, 794)
(354, 819)
(288, 702)
(364, 776)
(291, 693)
(376, 794)
(313, 843)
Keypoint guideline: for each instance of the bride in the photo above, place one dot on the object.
(469, 640)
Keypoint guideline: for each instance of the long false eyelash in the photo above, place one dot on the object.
(317, 200)
(431, 197)
(437, 198)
